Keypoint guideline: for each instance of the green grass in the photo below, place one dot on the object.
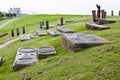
(3, 20)
(95, 63)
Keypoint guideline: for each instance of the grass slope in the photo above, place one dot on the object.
(95, 63)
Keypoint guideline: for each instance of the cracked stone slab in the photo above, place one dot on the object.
(75, 42)
(25, 57)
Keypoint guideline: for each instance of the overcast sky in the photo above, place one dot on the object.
(61, 6)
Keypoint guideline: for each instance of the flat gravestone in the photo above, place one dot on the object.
(25, 37)
(53, 32)
(41, 33)
(93, 26)
(1, 59)
(69, 21)
(46, 51)
(4, 34)
(75, 42)
(25, 57)
(65, 30)
(104, 21)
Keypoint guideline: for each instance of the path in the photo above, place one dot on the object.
(7, 43)
(6, 23)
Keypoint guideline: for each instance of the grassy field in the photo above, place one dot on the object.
(3, 20)
(95, 63)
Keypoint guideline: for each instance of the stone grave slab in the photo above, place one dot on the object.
(4, 34)
(25, 37)
(1, 59)
(104, 21)
(93, 26)
(75, 42)
(25, 57)
(69, 21)
(44, 52)
(65, 30)
(41, 33)
(53, 32)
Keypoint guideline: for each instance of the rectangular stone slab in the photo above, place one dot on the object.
(53, 32)
(25, 57)
(69, 21)
(93, 26)
(25, 37)
(77, 41)
(104, 21)
(46, 51)
(65, 30)
(41, 33)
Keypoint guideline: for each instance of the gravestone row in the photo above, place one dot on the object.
(17, 31)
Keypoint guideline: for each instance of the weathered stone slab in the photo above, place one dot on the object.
(65, 30)
(93, 26)
(25, 57)
(69, 21)
(104, 21)
(41, 33)
(1, 59)
(53, 32)
(75, 42)
(44, 52)
(25, 37)
(4, 34)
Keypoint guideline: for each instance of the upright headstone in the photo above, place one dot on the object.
(23, 30)
(98, 11)
(103, 14)
(47, 25)
(61, 21)
(112, 13)
(17, 31)
(41, 25)
(94, 15)
(12, 33)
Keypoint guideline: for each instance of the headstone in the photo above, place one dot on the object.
(94, 15)
(25, 37)
(75, 42)
(61, 23)
(103, 14)
(104, 21)
(17, 31)
(12, 33)
(65, 30)
(93, 26)
(47, 25)
(23, 30)
(98, 11)
(112, 13)
(41, 33)
(4, 34)
(53, 32)
(44, 52)
(25, 57)
(1, 60)
(41, 25)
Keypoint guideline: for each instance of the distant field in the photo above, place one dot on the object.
(95, 63)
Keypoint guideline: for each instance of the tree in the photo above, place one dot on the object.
(1, 15)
